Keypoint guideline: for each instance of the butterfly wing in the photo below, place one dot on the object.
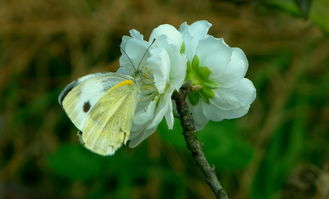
(101, 105)
(109, 123)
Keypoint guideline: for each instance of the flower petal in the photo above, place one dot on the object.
(170, 116)
(198, 29)
(172, 34)
(234, 71)
(143, 116)
(136, 34)
(242, 94)
(192, 34)
(135, 49)
(191, 44)
(177, 63)
(150, 127)
(162, 108)
(214, 53)
(141, 136)
(215, 113)
(200, 120)
(159, 66)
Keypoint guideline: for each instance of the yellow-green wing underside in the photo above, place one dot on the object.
(108, 122)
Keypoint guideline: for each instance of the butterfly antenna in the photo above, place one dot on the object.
(145, 53)
(131, 62)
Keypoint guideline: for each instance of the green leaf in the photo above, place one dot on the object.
(320, 15)
(173, 137)
(73, 162)
(304, 6)
(194, 97)
(220, 144)
(281, 157)
(223, 148)
(288, 6)
(316, 9)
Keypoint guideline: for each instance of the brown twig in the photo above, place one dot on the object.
(192, 142)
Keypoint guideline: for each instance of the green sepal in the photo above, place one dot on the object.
(189, 70)
(195, 63)
(204, 96)
(210, 84)
(199, 75)
(182, 48)
(194, 97)
(208, 92)
(204, 72)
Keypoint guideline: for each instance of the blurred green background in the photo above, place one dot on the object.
(278, 150)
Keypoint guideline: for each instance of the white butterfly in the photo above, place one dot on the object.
(102, 107)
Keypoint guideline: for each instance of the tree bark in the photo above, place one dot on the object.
(193, 143)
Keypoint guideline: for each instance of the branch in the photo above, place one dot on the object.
(192, 142)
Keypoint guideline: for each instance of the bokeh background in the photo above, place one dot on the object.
(279, 150)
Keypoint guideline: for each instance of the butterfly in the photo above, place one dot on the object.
(102, 107)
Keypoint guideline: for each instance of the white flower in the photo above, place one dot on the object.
(163, 69)
(219, 70)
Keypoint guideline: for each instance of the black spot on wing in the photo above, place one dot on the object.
(86, 107)
(66, 90)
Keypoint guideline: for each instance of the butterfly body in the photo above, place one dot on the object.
(102, 107)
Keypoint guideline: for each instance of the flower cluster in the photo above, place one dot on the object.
(176, 56)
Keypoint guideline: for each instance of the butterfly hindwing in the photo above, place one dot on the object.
(80, 96)
(101, 106)
(109, 123)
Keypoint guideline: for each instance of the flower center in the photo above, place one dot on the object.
(199, 75)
